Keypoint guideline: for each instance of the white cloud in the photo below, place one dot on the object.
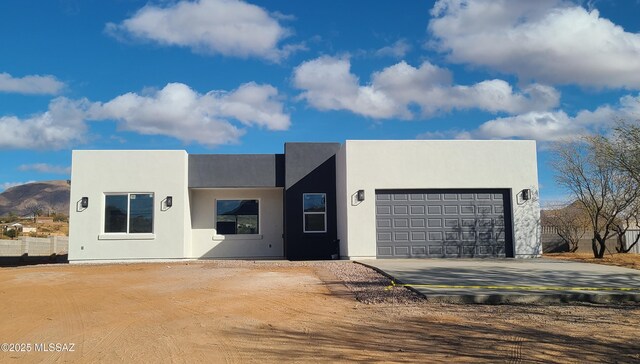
(33, 84)
(59, 127)
(45, 168)
(227, 27)
(557, 125)
(398, 49)
(328, 84)
(550, 41)
(175, 111)
(180, 112)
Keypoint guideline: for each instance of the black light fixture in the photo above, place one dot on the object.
(360, 195)
(169, 201)
(84, 202)
(526, 194)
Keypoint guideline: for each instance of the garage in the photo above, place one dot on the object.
(461, 223)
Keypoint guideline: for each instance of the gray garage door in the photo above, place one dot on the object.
(443, 223)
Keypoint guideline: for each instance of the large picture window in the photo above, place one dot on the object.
(129, 213)
(237, 217)
(314, 206)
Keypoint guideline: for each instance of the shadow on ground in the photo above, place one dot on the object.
(425, 339)
(32, 260)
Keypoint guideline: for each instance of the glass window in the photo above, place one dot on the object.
(314, 206)
(129, 213)
(237, 217)
(141, 213)
(116, 212)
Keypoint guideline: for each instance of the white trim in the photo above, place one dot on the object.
(217, 236)
(304, 228)
(125, 236)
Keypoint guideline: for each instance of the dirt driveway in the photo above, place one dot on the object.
(238, 312)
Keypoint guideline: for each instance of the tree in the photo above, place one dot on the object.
(570, 222)
(35, 209)
(12, 233)
(628, 218)
(623, 150)
(603, 189)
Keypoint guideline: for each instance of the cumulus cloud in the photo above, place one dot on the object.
(227, 27)
(45, 168)
(33, 84)
(328, 84)
(398, 49)
(176, 111)
(550, 41)
(180, 112)
(557, 125)
(62, 125)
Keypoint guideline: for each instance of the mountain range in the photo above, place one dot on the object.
(52, 197)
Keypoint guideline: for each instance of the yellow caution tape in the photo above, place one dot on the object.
(524, 288)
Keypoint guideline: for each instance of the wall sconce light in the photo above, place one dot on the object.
(169, 201)
(526, 194)
(360, 196)
(84, 202)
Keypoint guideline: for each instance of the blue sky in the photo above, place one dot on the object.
(228, 76)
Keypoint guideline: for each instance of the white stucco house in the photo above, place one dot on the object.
(359, 199)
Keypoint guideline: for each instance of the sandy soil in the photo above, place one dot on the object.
(282, 312)
(627, 260)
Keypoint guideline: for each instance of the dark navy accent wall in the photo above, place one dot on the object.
(309, 168)
(236, 170)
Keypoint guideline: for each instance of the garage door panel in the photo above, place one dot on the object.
(467, 210)
(385, 251)
(418, 236)
(434, 210)
(400, 223)
(402, 250)
(451, 223)
(383, 223)
(383, 210)
(451, 210)
(401, 210)
(435, 251)
(384, 237)
(469, 250)
(452, 250)
(430, 223)
(383, 197)
(436, 235)
(419, 250)
(401, 236)
(418, 223)
(417, 210)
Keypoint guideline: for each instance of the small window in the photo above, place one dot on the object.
(237, 217)
(130, 213)
(314, 206)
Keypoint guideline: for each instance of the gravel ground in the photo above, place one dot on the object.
(367, 285)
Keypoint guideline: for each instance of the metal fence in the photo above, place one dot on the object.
(34, 246)
(630, 237)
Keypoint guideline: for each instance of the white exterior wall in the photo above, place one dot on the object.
(433, 164)
(267, 244)
(163, 173)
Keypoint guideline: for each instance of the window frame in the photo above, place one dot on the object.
(128, 232)
(256, 235)
(305, 213)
